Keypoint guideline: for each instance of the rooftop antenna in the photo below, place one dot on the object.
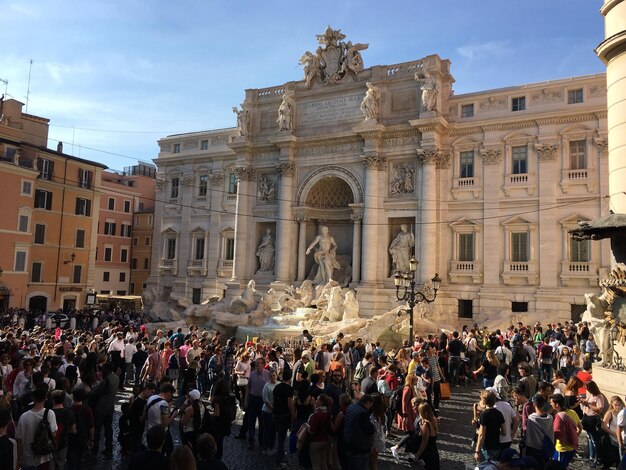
(30, 69)
(6, 85)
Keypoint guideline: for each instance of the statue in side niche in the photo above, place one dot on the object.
(400, 250)
(370, 106)
(430, 91)
(285, 114)
(243, 120)
(325, 256)
(265, 252)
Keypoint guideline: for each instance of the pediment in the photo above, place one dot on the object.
(517, 220)
(573, 219)
(463, 221)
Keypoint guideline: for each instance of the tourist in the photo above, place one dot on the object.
(182, 458)
(158, 413)
(103, 397)
(572, 395)
(527, 382)
(427, 451)
(66, 424)
(137, 417)
(254, 398)
(224, 409)
(591, 349)
(320, 429)
(378, 418)
(539, 426)
(567, 428)
(8, 446)
(138, 360)
(304, 405)
(283, 411)
(193, 411)
(592, 407)
(358, 433)
(544, 351)
(269, 431)
(609, 445)
(488, 369)
(492, 424)
(152, 458)
(206, 454)
(242, 373)
(511, 420)
(501, 384)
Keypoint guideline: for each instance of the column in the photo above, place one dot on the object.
(427, 217)
(369, 256)
(285, 223)
(356, 247)
(213, 249)
(549, 258)
(492, 180)
(301, 247)
(243, 228)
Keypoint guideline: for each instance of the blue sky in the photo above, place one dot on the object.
(114, 76)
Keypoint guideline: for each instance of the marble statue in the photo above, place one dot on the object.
(400, 250)
(325, 256)
(285, 114)
(334, 309)
(430, 90)
(370, 103)
(312, 69)
(243, 120)
(267, 188)
(247, 302)
(352, 60)
(265, 252)
(306, 292)
(350, 306)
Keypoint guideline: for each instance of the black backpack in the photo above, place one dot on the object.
(71, 373)
(395, 401)
(286, 367)
(44, 441)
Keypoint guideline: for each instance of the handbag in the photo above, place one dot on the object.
(303, 436)
(444, 388)
(242, 381)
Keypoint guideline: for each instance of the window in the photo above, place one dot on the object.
(204, 145)
(22, 224)
(229, 249)
(579, 251)
(196, 296)
(84, 179)
(106, 275)
(176, 148)
(519, 307)
(127, 206)
(467, 110)
(518, 104)
(122, 277)
(150, 221)
(43, 199)
(203, 184)
(120, 292)
(124, 255)
(133, 263)
(466, 247)
(140, 206)
(20, 262)
(519, 247)
(146, 263)
(27, 188)
(232, 183)
(577, 155)
(109, 228)
(467, 164)
(170, 248)
(105, 292)
(108, 253)
(465, 308)
(199, 248)
(147, 241)
(83, 206)
(520, 160)
(132, 288)
(40, 234)
(137, 220)
(80, 238)
(35, 272)
(125, 230)
(76, 275)
(575, 96)
(46, 168)
(111, 203)
(135, 241)
(174, 188)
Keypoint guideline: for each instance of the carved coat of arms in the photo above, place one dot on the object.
(333, 60)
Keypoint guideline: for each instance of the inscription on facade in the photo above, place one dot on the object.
(412, 141)
(335, 109)
(354, 147)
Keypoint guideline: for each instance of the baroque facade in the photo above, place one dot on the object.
(488, 183)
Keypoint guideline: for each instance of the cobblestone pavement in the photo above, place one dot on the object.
(453, 442)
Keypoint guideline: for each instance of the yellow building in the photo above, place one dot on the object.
(49, 224)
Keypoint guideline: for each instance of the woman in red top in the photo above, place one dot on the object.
(320, 427)
(406, 419)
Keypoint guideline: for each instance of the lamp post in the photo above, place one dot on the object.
(617, 361)
(411, 295)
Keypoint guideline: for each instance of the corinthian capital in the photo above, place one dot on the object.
(286, 169)
(546, 152)
(492, 156)
(244, 173)
(216, 178)
(428, 155)
(603, 145)
(374, 161)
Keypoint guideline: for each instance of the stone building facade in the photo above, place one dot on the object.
(488, 183)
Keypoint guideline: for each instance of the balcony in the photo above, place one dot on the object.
(225, 268)
(462, 186)
(197, 267)
(168, 266)
(520, 272)
(515, 182)
(576, 273)
(466, 271)
(582, 177)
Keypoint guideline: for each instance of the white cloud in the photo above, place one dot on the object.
(479, 51)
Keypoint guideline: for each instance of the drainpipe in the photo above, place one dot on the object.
(56, 277)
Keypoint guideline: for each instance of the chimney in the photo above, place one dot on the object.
(60, 147)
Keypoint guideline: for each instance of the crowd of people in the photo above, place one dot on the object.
(333, 405)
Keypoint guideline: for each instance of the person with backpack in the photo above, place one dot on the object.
(191, 419)
(35, 432)
(158, 413)
(544, 354)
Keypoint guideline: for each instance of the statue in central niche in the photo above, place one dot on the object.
(325, 256)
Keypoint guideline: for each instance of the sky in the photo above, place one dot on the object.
(114, 76)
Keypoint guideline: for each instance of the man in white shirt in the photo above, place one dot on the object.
(129, 350)
(503, 352)
(511, 420)
(27, 427)
(158, 411)
(621, 432)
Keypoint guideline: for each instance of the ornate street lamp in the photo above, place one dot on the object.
(412, 296)
(617, 361)
(73, 257)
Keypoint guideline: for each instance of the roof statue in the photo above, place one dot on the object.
(333, 60)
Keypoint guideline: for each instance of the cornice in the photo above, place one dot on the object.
(400, 133)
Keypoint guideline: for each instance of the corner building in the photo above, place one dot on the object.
(489, 183)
